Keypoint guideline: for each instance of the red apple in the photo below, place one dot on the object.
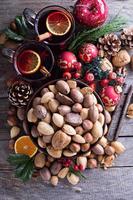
(91, 13)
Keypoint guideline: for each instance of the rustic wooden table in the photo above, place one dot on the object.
(114, 184)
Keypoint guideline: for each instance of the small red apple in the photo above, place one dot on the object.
(91, 13)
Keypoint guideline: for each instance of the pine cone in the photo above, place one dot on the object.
(109, 45)
(127, 37)
(20, 93)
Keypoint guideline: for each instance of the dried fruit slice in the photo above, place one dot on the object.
(58, 23)
(24, 145)
(28, 62)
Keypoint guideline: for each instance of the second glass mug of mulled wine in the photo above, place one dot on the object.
(32, 61)
(53, 25)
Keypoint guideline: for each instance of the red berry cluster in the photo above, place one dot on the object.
(118, 80)
(74, 73)
(66, 162)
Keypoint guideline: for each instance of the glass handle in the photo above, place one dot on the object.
(8, 53)
(29, 16)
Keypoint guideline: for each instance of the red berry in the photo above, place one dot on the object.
(120, 80)
(93, 86)
(66, 164)
(89, 77)
(112, 75)
(69, 161)
(76, 167)
(104, 82)
(76, 75)
(77, 65)
(67, 75)
(81, 167)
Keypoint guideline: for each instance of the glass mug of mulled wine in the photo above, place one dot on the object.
(53, 25)
(32, 61)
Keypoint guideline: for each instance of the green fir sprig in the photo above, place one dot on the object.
(23, 164)
(77, 173)
(87, 35)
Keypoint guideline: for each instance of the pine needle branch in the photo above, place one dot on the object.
(92, 35)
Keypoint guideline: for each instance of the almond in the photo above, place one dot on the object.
(47, 97)
(60, 140)
(58, 120)
(45, 129)
(69, 153)
(79, 139)
(72, 178)
(54, 153)
(82, 161)
(68, 129)
(63, 172)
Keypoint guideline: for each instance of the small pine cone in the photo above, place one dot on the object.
(127, 37)
(20, 93)
(109, 45)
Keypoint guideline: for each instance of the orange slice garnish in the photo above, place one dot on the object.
(28, 62)
(24, 145)
(58, 23)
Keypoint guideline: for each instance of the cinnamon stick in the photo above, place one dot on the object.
(110, 136)
(124, 110)
(43, 36)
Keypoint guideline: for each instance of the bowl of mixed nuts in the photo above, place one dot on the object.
(65, 118)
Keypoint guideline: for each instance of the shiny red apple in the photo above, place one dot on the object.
(91, 13)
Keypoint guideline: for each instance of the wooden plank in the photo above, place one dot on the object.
(113, 184)
(126, 159)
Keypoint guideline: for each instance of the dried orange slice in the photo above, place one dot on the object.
(24, 145)
(58, 23)
(28, 62)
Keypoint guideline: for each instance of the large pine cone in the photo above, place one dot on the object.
(109, 45)
(20, 93)
(127, 37)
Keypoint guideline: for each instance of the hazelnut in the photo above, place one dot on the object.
(36, 101)
(12, 120)
(39, 160)
(92, 163)
(21, 114)
(14, 132)
(109, 150)
(87, 125)
(88, 137)
(74, 147)
(77, 107)
(85, 147)
(79, 130)
(54, 180)
(11, 144)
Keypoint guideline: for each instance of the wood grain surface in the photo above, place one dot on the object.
(114, 184)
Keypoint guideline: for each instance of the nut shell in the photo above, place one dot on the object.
(88, 100)
(72, 178)
(40, 111)
(76, 96)
(45, 129)
(58, 120)
(79, 139)
(60, 140)
(69, 130)
(62, 87)
(54, 153)
(73, 119)
(47, 97)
